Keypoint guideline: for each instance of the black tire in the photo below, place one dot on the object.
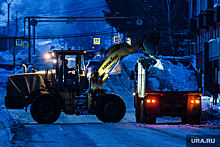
(45, 109)
(137, 115)
(110, 108)
(152, 119)
(142, 118)
(197, 120)
(190, 120)
(148, 119)
(184, 120)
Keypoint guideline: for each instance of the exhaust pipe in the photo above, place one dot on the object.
(25, 68)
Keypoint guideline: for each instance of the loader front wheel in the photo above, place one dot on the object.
(45, 109)
(110, 108)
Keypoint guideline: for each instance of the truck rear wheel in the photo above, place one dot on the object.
(190, 120)
(110, 108)
(45, 109)
(148, 119)
(137, 115)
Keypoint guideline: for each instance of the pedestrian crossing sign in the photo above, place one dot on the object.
(25, 44)
(117, 39)
(96, 41)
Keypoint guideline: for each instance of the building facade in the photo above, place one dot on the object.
(204, 22)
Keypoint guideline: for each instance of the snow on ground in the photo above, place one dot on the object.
(7, 122)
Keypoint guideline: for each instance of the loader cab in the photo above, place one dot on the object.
(70, 70)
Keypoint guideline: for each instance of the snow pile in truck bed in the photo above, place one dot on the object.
(165, 76)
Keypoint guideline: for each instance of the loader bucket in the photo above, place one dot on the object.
(150, 43)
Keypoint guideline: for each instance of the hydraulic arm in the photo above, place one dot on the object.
(147, 44)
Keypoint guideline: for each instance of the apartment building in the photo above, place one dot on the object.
(204, 21)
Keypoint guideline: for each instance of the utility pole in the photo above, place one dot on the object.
(14, 49)
(8, 21)
(16, 23)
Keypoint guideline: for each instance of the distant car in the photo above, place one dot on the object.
(89, 54)
(91, 65)
(98, 57)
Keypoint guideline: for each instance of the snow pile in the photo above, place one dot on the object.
(165, 76)
(210, 113)
(127, 82)
(131, 60)
(6, 57)
(6, 122)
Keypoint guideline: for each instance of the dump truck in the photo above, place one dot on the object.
(150, 102)
(66, 88)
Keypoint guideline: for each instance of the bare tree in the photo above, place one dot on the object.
(169, 15)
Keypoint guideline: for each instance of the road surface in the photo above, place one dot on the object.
(88, 131)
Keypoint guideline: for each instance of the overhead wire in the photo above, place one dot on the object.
(89, 34)
(65, 7)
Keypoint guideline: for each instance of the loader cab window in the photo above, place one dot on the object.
(67, 70)
(70, 71)
(59, 62)
(83, 67)
(68, 66)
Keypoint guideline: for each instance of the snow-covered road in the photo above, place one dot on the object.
(80, 131)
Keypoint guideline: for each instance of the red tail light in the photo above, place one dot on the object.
(151, 100)
(197, 101)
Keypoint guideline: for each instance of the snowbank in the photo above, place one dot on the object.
(6, 123)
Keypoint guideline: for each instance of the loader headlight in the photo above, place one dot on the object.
(54, 61)
(47, 56)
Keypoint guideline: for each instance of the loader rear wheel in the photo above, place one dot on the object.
(45, 109)
(110, 108)
(148, 119)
